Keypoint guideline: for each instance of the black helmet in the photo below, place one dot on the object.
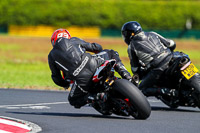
(130, 29)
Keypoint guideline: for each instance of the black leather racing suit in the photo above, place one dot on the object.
(152, 52)
(70, 57)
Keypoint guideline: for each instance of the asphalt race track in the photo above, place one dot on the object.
(51, 111)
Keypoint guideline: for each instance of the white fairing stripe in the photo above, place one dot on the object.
(61, 66)
(98, 71)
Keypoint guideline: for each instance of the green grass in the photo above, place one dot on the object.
(121, 49)
(12, 47)
(26, 75)
(21, 69)
(194, 54)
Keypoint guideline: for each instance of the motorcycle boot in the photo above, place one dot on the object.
(99, 102)
(120, 68)
(102, 96)
(97, 97)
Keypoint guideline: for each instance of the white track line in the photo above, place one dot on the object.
(21, 105)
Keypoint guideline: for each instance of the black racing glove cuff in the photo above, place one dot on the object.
(97, 46)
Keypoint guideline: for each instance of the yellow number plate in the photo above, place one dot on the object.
(189, 71)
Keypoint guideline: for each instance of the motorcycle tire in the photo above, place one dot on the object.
(195, 83)
(135, 96)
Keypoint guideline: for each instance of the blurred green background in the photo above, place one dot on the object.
(24, 58)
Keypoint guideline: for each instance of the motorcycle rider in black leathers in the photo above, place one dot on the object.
(149, 55)
(69, 56)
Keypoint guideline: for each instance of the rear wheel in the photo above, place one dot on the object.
(194, 82)
(140, 107)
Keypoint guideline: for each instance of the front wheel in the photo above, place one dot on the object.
(140, 107)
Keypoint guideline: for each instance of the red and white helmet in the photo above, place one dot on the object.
(58, 34)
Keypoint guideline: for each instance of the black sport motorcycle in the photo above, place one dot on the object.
(182, 81)
(123, 98)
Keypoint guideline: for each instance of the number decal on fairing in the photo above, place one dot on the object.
(62, 35)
